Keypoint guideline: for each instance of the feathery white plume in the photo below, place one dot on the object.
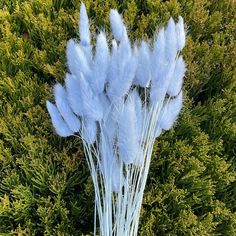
(139, 113)
(139, 123)
(171, 41)
(58, 123)
(76, 59)
(117, 108)
(117, 25)
(126, 63)
(176, 81)
(170, 112)
(81, 98)
(64, 108)
(105, 105)
(90, 102)
(111, 129)
(180, 33)
(160, 85)
(101, 61)
(128, 133)
(74, 96)
(117, 176)
(113, 70)
(120, 85)
(124, 53)
(114, 46)
(158, 61)
(142, 77)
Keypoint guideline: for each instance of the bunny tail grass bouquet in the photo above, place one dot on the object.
(118, 99)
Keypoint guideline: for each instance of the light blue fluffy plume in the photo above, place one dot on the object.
(109, 124)
(113, 64)
(59, 124)
(126, 63)
(100, 66)
(73, 93)
(122, 97)
(170, 112)
(180, 33)
(176, 80)
(143, 76)
(171, 41)
(167, 70)
(161, 83)
(76, 59)
(128, 133)
(158, 55)
(84, 26)
(82, 99)
(117, 176)
(117, 25)
(64, 108)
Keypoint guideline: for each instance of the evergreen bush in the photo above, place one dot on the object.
(45, 185)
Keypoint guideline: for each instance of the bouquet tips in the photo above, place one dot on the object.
(118, 99)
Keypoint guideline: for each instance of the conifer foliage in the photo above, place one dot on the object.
(101, 102)
(45, 188)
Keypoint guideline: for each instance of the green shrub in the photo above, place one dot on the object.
(45, 188)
